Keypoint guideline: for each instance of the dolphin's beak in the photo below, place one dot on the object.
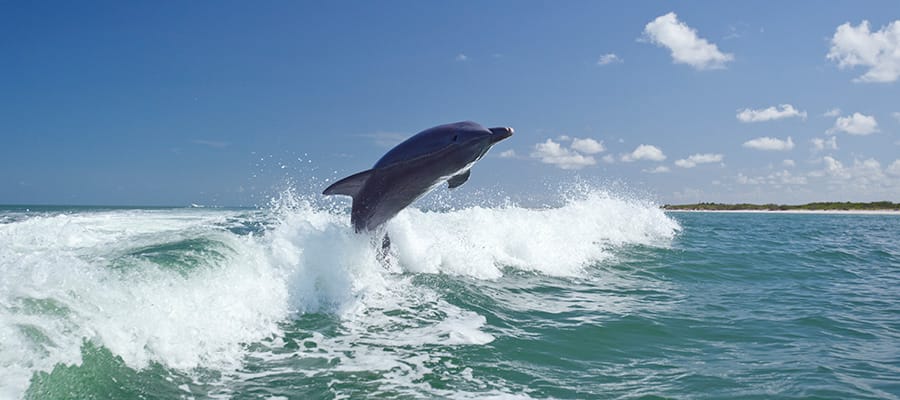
(498, 134)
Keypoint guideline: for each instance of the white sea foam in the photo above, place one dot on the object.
(69, 278)
(59, 287)
(477, 241)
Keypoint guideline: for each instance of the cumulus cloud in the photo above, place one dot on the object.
(644, 152)
(770, 144)
(786, 178)
(695, 159)
(788, 163)
(686, 47)
(824, 144)
(783, 177)
(859, 177)
(856, 124)
(610, 58)
(587, 146)
(861, 173)
(833, 167)
(746, 180)
(896, 115)
(771, 113)
(508, 154)
(462, 57)
(834, 112)
(553, 153)
(853, 46)
(894, 168)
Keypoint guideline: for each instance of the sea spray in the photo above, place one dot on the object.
(141, 311)
(478, 241)
(197, 291)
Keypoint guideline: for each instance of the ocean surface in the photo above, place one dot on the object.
(597, 297)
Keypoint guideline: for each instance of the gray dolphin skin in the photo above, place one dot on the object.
(413, 168)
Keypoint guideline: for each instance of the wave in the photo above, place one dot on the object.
(480, 241)
(192, 288)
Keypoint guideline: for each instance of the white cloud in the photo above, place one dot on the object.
(508, 154)
(553, 153)
(587, 146)
(786, 178)
(689, 195)
(577, 156)
(834, 112)
(686, 47)
(609, 159)
(859, 178)
(870, 167)
(462, 57)
(783, 177)
(746, 180)
(768, 114)
(735, 32)
(644, 152)
(834, 167)
(856, 124)
(788, 163)
(862, 174)
(770, 144)
(824, 144)
(658, 170)
(896, 115)
(894, 168)
(695, 159)
(858, 46)
(610, 58)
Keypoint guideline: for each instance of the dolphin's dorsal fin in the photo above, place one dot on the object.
(350, 185)
(458, 179)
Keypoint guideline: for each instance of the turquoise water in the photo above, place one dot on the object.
(600, 297)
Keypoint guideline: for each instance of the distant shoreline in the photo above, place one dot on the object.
(874, 208)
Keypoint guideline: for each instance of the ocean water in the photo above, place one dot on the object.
(598, 297)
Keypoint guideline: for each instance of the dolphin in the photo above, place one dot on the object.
(445, 153)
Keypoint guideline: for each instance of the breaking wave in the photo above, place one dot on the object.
(202, 291)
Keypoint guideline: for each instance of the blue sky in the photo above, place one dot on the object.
(171, 103)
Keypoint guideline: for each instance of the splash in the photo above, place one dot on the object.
(192, 288)
(86, 277)
(479, 241)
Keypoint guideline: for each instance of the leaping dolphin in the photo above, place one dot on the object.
(413, 168)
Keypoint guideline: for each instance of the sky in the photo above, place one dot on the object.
(223, 103)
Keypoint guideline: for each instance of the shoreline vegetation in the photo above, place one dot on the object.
(877, 206)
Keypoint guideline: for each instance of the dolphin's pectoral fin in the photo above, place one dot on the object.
(350, 185)
(459, 179)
